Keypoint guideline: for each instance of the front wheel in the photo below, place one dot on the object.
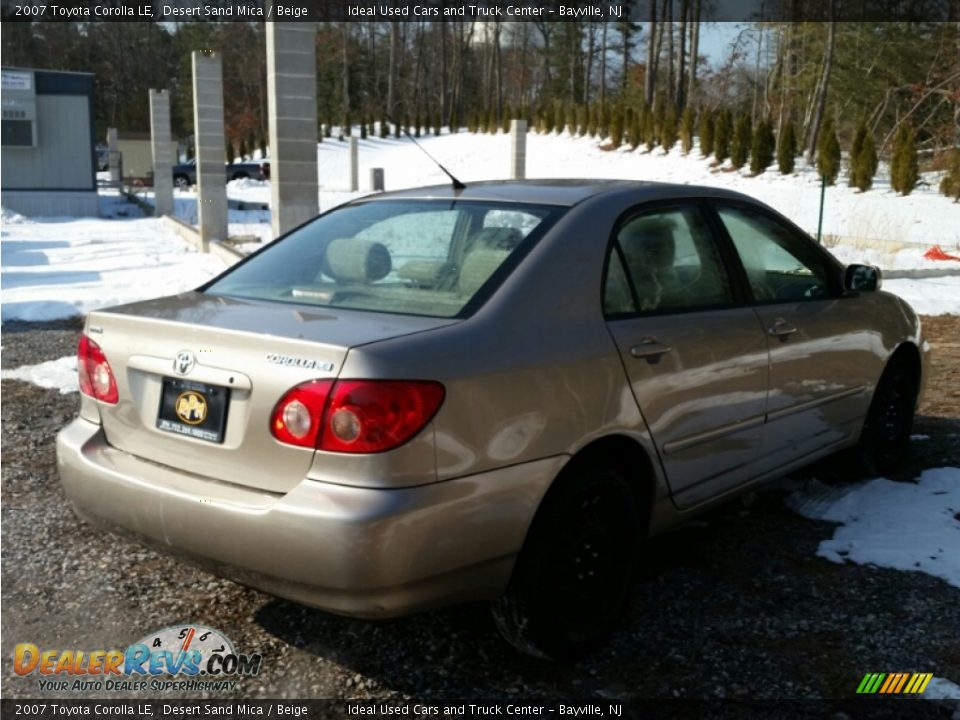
(572, 578)
(886, 429)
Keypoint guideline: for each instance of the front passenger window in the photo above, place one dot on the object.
(781, 265)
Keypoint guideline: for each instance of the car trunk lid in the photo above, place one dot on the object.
(240, 356)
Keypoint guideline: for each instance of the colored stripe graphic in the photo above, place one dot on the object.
(894, 683)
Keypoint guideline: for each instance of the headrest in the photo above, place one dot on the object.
(357, 261)
(649, 240)
(498, 238)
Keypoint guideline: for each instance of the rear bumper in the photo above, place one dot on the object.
(354, 551)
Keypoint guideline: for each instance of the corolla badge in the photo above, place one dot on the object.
(184, 362)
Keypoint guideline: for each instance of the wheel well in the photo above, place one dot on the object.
(908, 353)
(631, 460)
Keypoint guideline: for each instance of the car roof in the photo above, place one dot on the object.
(563, 192)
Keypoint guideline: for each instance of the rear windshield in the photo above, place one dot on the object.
(415, 257)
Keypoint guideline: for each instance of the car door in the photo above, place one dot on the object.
(820, 350)
(694, 352)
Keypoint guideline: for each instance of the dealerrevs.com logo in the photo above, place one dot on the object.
(178, 658)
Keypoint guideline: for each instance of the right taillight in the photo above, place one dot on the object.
(95, 375)
(355, 416)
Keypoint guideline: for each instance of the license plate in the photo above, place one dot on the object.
(193, 409)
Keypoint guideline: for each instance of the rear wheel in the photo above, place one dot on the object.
(573, 576)
(889, 421)
(181, 181)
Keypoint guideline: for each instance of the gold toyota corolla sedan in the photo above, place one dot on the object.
(441, 394)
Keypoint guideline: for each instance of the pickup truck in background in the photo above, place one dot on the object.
(185, 174)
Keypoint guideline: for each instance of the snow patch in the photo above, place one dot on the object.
(904, 526)
(60, 374)
(941, 689)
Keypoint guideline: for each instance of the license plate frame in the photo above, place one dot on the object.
(193, 409)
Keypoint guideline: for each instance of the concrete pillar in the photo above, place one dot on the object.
(292, 107)
(162, 153)
(114, 161)
(518, 149)
(376, 179)
(354, 165)
(210, 146)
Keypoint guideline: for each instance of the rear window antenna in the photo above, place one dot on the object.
(457, 185)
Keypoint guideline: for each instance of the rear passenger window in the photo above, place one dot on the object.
(669, 261)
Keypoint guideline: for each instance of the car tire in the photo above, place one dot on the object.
(181, 181)
(577, 565)
(886, 430)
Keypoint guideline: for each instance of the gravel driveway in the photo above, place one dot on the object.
(735, 604)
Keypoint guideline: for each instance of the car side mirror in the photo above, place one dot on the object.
(862, 278)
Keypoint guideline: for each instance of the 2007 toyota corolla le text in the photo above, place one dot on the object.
(499, 392)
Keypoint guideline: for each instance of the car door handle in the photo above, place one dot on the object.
(781, 329)
(649, 348)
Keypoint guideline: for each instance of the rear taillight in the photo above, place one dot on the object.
(95, 376)
(355, 416)
(296, 418)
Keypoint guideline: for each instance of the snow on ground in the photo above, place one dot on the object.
(906, 526)
(928, 296)
(59, 267)
(925, 218)
(60, 374)
(941, 689)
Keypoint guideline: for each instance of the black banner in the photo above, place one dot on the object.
(665, 709)
(464, 10)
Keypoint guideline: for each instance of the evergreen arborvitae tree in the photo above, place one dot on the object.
(828, 153)
(397, 131)
(231, 156)
(604, 128)
(855, 149)
(582, 120)
(371, 127)
(571, 118)
(384, 127)
(417, 123)
(472, 123)
(649, 129)
(436, 123)
(687, 128)
(634, 134)
(616, 127)
(593, 121)
(244, 151)
(346, 128)
(786, 148)
(508, 115)
(761, 152)
(950, 185)
(668, 130)
(905, 168)
(406, 122)
(363, 129)
(865, 167)
(721, 135)
(740, 143)
(708, 121)
(263, 143)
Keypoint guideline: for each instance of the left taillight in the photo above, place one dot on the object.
(95, 375)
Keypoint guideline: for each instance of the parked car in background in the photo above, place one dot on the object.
(185, 174)
(500, 392)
